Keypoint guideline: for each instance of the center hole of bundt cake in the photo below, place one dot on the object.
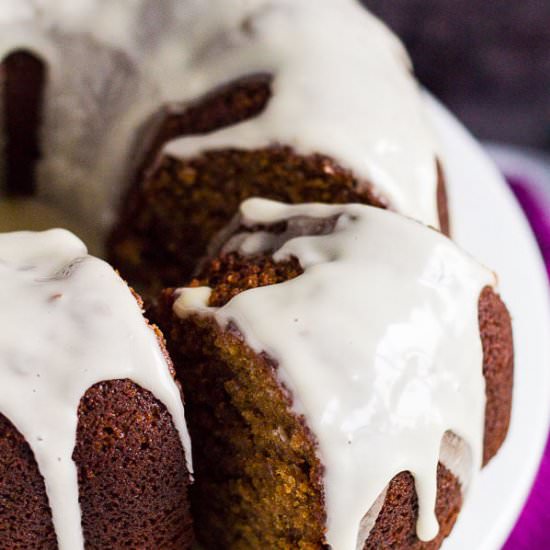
(23, 78)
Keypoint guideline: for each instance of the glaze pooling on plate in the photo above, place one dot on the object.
(378, 342)
(68, 322)
(341, 87)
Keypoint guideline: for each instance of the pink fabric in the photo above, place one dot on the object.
(532, 531)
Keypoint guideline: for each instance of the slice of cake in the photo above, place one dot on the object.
(94, 448)
(348, 372)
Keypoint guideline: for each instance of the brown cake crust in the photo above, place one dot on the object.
(231, 104)
(25, 519)
(442, 201)
(132, 473)
(22, 85)
(495, 327)
(176, 206)
(395, 526)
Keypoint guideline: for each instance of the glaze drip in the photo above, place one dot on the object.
(68, 322)
(378, 341)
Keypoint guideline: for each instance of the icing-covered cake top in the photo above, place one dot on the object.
(378, 341)
(68, 322)
(341, 87)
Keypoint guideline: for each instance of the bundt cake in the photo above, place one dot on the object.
(347, 369)
(94, 448)
(156, 118)
(348, 372)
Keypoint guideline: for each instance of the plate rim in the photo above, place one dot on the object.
(446, 123)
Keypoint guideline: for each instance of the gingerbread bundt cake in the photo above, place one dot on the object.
(348, 372)
(94, 449)
(154, 119)
(149, 122)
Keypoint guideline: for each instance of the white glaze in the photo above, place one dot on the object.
(68, 322)
(341, 88)
(378, 341)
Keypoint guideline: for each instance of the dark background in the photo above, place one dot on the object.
(488, 60)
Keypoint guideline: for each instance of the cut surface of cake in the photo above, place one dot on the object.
(349, 372)
(139, 117)
(94, 448)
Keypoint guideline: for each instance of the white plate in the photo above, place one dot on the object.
(487, 221)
